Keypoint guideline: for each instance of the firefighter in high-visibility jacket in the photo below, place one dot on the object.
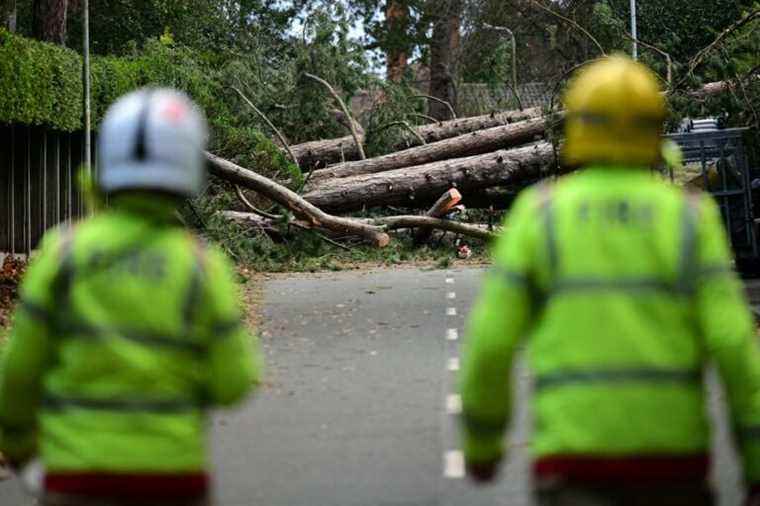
(128, 328)
(621, 288)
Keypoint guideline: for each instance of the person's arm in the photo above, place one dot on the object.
(234, 362)
(730, 334)
(500, 317)
(28, 354)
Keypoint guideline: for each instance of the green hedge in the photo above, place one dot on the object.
(40, 83)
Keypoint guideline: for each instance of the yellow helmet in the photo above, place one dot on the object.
(615, 114)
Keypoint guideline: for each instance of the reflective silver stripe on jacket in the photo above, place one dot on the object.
(619, 375)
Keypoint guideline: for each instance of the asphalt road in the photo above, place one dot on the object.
(359, 405)
(360, 409)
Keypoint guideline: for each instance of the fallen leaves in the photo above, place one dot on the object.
(11, 272)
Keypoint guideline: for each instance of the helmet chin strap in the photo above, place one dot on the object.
(141, 151)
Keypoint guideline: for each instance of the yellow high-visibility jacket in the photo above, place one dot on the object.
(621, 288)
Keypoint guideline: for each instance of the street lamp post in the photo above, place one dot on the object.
(504, 29)
(86, 80)
(635, 51)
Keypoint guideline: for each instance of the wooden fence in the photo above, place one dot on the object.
(38, 187)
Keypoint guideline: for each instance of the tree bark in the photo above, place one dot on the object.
(425, 182)
(482, 141)
(292, 201)
(322, 152)
(443, 47)
(396, 19)
(8, 13)
(446, 129)
(49, 20)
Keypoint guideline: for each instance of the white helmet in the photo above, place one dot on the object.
(152, 139)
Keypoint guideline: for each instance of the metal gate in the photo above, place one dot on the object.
(38, 188)
(718, 161)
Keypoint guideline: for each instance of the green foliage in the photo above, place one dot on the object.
(495, 68)
(680, 29)
(408, 35)
(331, 55)
(306, 251)
(211, 27)
(248, 147)
(4, 335)
(397, 104)
(39, 83)
(301, 250)
(608, 28)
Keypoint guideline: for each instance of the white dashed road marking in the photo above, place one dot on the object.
(453, 464)
(453, 460)
(453, 404)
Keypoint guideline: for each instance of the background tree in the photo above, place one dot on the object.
(444, 49)
(8, 15)
(49, 20)
(396, 18)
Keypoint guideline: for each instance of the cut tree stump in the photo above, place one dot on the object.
(441, 207)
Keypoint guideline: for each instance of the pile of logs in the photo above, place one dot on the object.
(479, 161)
(475, 160)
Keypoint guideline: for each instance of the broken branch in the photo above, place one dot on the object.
(342, 105)
(406, 127)
(412, 221)
(441, 101)
(271, 125)
(292, 201)
(571, 23)
(253, 208)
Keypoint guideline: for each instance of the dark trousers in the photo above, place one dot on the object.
(660, 494)
(74, 500)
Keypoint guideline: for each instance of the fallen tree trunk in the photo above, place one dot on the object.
(292, 201)
(320, 153)
(709, 89)
(384, 224)
(434, 132)
(412, 221)
(474, 143)
(718, 87)
(423, 182)
(324, 152)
